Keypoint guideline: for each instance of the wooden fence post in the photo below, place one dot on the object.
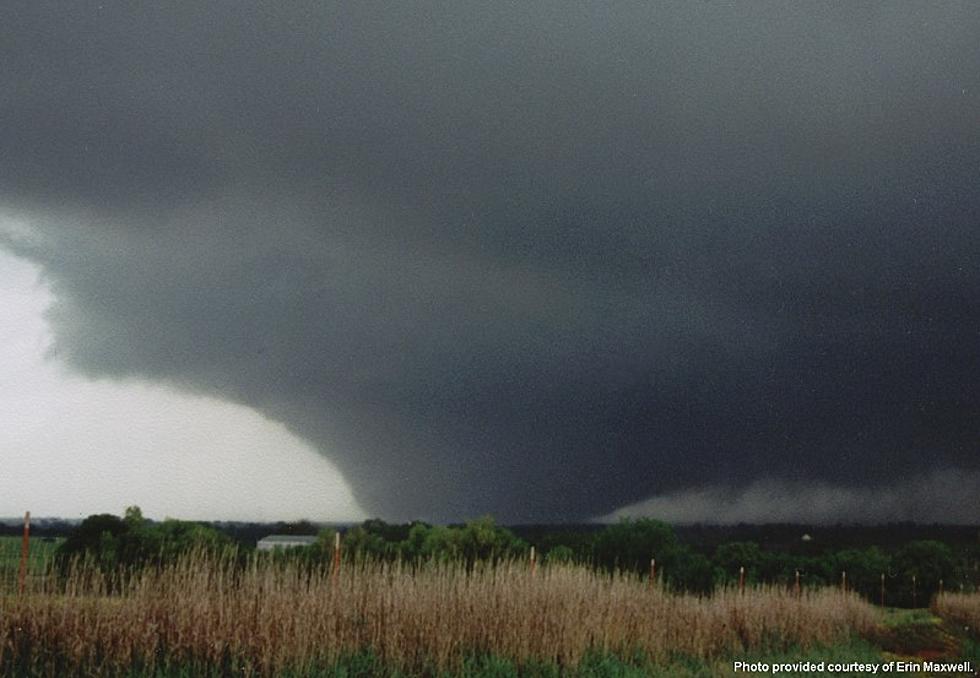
(25, 548)
(534, 561)
(336, 557)
(913, 591)
(882, 589)
(741, 579)
(653, 571)
(843, 581)
(796, 586)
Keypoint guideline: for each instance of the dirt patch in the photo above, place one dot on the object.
(921, 639)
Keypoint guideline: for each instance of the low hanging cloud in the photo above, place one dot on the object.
(945, 496)
(543, 261)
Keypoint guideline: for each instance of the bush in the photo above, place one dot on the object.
(630, 544)
(112, 543)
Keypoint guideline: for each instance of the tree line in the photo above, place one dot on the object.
(909, 573)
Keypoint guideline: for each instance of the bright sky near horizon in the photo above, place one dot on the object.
(72, 447)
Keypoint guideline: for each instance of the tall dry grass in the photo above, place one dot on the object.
(268, 617)
(960, 608)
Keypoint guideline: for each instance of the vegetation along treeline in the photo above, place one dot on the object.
(913, 571)
(128, 596)
(206, 614)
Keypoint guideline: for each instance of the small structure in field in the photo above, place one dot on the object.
(284, 541)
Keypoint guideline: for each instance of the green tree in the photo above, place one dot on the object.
(113, 542)
(864, 568)
(442, 544)
(927, 560)
(177, 537)
(729, 558)
(630, 544)
(560, 554)
(691, 571)
(483, 539)
(359, 542)
(96, 537)
(413, 546)
(133, 517)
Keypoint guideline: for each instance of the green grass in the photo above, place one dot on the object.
(896, 616)
(971, 650)
(41, 553)
(366, 664)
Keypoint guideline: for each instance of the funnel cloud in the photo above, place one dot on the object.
(540, 260)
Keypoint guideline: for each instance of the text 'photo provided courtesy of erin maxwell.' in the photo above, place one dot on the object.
(844, 668)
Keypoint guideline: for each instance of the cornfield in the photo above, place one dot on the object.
(267, 617)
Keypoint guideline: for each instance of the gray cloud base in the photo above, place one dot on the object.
(538, 260)
(943, 497)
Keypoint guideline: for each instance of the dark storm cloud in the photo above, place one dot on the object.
(538, 260)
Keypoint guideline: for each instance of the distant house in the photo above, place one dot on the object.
(283, 541)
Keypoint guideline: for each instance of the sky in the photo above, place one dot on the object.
(548, 261)
(73, 446)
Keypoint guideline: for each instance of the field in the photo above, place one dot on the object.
(41, 552)
(217, 610)
(960, 609)
(206, 615)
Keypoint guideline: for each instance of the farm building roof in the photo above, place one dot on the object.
(284, 541)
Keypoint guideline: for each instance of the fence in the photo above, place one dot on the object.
(15, 570)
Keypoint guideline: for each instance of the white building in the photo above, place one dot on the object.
(283, 541)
